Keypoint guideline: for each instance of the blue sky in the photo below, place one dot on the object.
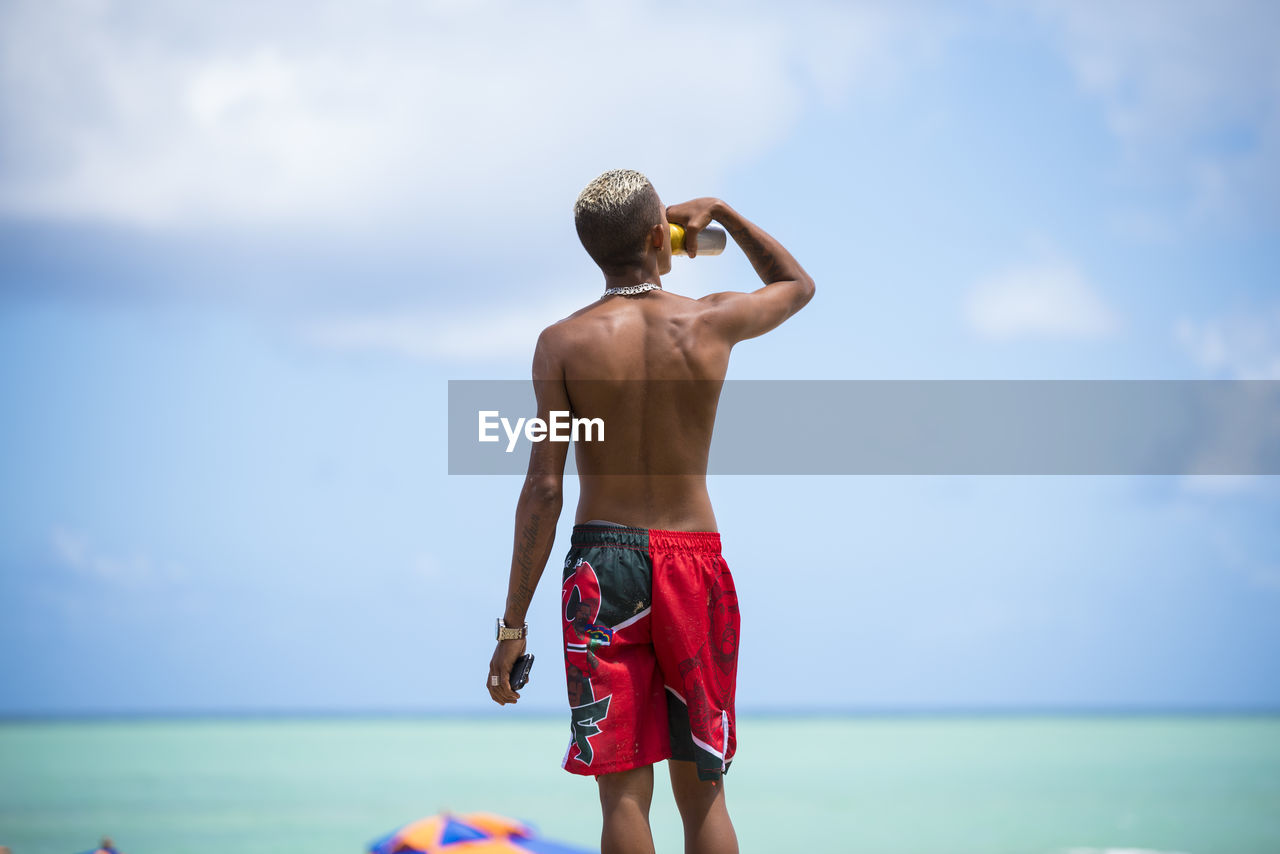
(245, 248)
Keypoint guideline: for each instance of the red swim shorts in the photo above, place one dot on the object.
(650, 650)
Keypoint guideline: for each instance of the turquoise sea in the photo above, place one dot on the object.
(886, 785)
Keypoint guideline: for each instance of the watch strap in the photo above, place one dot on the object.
(506, 632)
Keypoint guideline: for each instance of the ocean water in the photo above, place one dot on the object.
(885, 785)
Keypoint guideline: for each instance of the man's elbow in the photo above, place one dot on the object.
(806, 291)
(545, 491)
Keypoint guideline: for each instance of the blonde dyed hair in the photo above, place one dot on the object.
(613, 216)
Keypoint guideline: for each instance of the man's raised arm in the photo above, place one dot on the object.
(537, 512)
(788, 288)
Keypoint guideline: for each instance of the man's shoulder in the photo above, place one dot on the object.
(599, 320)
(565, 326)
(563, 334)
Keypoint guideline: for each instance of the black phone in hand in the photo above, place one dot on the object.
(520, 671)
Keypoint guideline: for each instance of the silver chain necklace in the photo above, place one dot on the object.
(628, 290)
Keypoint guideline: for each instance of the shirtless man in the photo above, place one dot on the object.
(648, 608)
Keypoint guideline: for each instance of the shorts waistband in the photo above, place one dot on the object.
(611, 536)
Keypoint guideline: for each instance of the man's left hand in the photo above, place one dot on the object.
(504, 658)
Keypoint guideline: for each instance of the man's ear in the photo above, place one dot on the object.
(657, 235)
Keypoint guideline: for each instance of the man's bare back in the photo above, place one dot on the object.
(650, 366)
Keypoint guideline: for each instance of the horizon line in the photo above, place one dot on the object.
(540, 712)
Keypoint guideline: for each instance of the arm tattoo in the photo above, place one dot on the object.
(763, 260)
(526, 555)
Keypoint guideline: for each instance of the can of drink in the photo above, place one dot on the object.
(711, 240)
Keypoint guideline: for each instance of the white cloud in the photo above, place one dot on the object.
(74, 551)
(1191, 88)
(1050, 300)
(484, 334)
(1238, 347)
(1241, 347)
(160, 114)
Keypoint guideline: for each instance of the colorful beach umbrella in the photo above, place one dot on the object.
(106, 847)
(472, 833)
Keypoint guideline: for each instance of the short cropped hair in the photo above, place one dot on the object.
(614, 214)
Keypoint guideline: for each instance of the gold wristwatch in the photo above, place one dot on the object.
(506, 632)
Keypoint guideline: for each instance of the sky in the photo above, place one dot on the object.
(244, 247)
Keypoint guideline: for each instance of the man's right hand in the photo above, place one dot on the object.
(693, 216)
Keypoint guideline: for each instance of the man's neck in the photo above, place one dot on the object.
(633, 276)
